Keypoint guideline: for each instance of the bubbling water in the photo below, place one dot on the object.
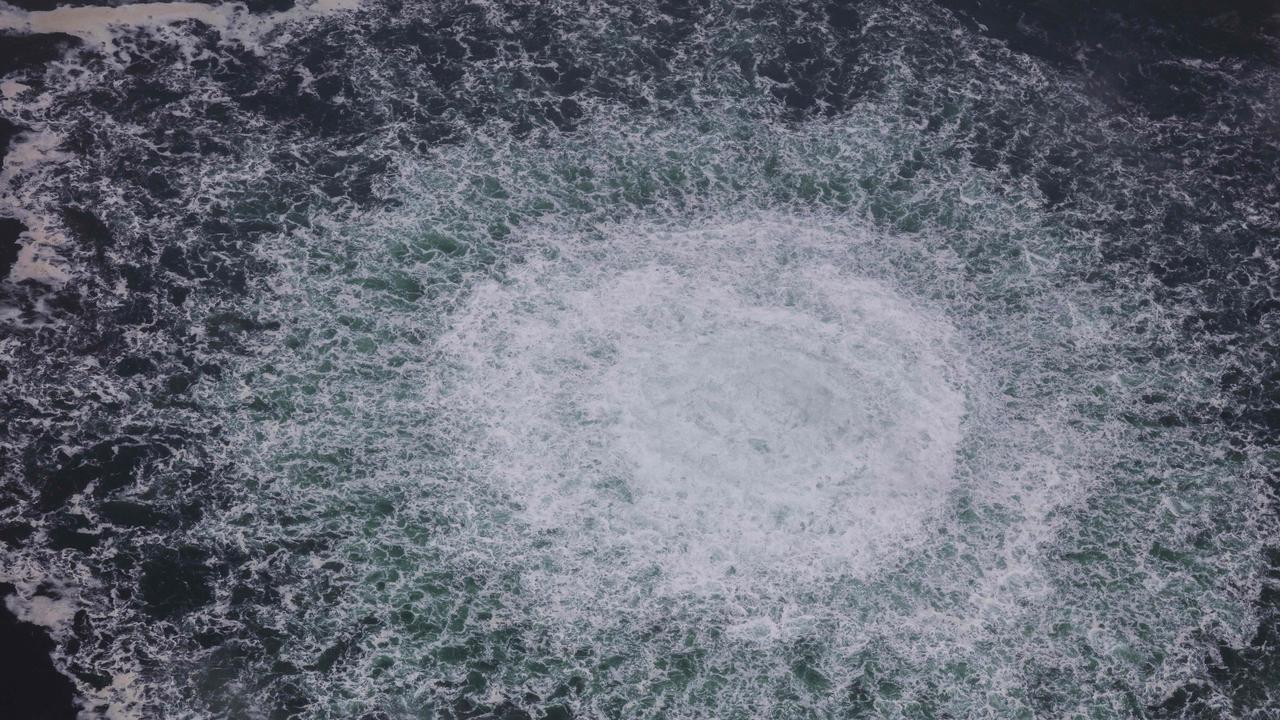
(706, 412)
(781, 465)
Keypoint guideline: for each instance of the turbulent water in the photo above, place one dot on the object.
(565, 360)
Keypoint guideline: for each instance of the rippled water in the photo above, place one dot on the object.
(601, 361)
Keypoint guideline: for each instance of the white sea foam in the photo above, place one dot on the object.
(101, 25)
(696, 404)
(38, 257)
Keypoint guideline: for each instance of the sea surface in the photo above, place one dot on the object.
(524, 360)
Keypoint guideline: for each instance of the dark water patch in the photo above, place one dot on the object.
(175, 581)
(32, 687)
(15, 534)
(127, 513)
(90, 230)
(8, 131)
(254, 6)
(109, 465)
(26, 52)
(43, 5)
(10, 232)
(1134, 52)
(69, 531)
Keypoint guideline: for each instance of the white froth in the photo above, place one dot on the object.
(697, 410)
(38, 258)
(12, 88)
(101, 25)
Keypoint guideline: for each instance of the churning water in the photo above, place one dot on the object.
(605, 361)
